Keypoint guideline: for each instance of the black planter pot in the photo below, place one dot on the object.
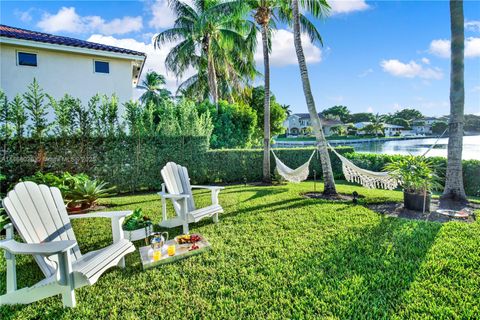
(414, 201)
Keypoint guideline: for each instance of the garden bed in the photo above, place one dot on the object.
(396, 209)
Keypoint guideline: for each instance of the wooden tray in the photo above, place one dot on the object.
(181, 252)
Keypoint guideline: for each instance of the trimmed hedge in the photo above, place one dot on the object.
(134, 164)
(131, 164)
(240, 165)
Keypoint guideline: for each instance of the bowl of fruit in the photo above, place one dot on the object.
(186, 240)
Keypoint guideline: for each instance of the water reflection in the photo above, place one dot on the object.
(471, 147)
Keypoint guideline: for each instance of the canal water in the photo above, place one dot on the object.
(471, 147)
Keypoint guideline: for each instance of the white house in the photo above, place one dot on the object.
(66, 65)
(424, 126)
(299, 122)
(390, 130)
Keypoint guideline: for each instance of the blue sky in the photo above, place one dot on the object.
(378, 56)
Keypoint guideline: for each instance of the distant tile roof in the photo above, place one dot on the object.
(17, 33)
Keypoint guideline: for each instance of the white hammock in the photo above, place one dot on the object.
(368, 179)
(293, 175)
(352, 173)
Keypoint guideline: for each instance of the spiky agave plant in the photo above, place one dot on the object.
(87, 192)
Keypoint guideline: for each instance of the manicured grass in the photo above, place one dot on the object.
(279, 255)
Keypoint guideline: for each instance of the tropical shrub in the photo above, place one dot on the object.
(87, 192)
(414, 173)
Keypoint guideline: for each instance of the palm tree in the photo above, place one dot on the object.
(318, 8)
(153, 85)
(454, 189)
(210, 33)
(377, 125)
(263, 12)
(286, 108)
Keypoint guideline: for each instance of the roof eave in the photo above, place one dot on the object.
(66, 48)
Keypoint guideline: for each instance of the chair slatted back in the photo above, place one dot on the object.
(177, 181)
(38, 213)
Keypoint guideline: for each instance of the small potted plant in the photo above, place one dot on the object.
(416, 176)
(137, 226)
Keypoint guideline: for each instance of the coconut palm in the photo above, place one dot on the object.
(210, 33)
(454, 181)
(265, 14)
(318, 8)
(377, 125)
(152, 84)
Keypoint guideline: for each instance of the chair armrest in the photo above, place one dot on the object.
(173, 195)
(111, 215)
(207, 187)
(44, 249)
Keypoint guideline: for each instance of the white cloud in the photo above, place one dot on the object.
(283, 49)
(162, 16)
(370, 109)
(441, 47)
(24, 16)
(347, 6)
(475, 89)
(425, 60)
(365, 73)
(472, 25)
(155, 57)
(410, 70)
(67, 20)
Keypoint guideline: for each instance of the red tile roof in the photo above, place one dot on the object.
(17, 33)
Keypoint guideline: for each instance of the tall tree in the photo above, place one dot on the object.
(341, 112)
(152, 84)
(319, 7)
(264, 11)
(454, 189)
(210, 33)
(38, 112)
(19, 117)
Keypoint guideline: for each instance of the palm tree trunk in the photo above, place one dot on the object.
(329, 181)
(454, 181)
(212, 77)
(266, 107)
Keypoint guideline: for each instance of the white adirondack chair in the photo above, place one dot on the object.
(177, 183)
(39, 215)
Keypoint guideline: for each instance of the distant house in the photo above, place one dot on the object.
(390, 130)
(299, 123)
(424, 126)
(66, 65)
(360, 125)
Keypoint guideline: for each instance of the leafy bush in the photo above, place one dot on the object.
(136, 220)
(415, 174)
(233, 124)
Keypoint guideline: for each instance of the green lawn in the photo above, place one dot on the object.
(279, 255)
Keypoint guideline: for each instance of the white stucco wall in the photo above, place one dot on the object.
(59, 73)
